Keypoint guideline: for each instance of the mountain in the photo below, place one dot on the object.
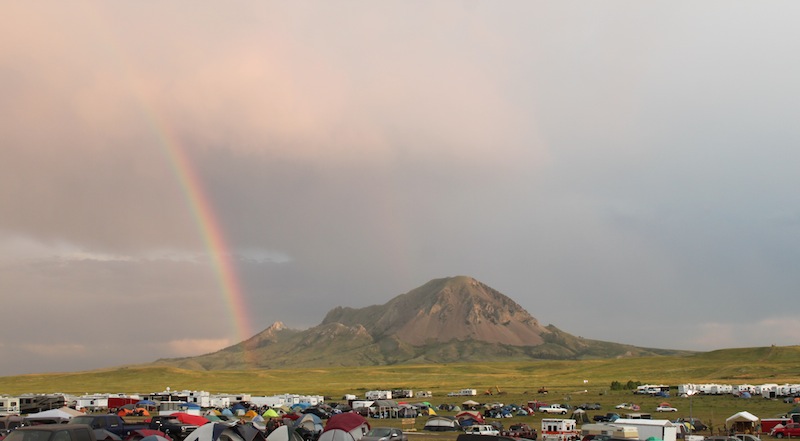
(445, 320)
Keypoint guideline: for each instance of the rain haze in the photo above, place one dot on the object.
(177, 176)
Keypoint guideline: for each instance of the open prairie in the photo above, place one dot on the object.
(568, 381)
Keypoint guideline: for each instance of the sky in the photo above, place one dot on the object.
(177, 176)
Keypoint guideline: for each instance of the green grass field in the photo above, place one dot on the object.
(568, 381)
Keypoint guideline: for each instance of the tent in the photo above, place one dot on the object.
(284, 433)
(468, 417)
(742, 422)
(213, 432)
(442, 424)
(270, 413)
(580, 416)
(55, 415)
(345, 427)
(227, 432)
(309, 422)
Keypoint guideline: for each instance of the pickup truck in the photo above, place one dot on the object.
(553, 408)
(52, 432)
(110, 422)
(610, 417)
(172, 426)
(520, 430)
(790, 430)
(481, 429)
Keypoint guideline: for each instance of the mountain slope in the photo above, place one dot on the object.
(445, 320)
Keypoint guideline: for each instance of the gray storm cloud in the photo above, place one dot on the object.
(587, 162)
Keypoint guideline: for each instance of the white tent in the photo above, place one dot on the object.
(741, 417)
(742, 422)
(284, 433)
(213, 432)
(64, 413)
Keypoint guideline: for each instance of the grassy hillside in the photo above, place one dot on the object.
(517, 382)
(736, 366)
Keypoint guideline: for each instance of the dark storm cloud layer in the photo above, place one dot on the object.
(628, 164)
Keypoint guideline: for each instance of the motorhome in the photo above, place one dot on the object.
(556, 429)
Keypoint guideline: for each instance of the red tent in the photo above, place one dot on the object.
(345, 421)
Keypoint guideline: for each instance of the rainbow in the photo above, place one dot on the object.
(213, 235)
(199, 203)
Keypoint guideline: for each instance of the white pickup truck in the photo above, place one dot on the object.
(553, 408)
(481, 429)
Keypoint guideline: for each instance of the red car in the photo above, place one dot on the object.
(791, 430)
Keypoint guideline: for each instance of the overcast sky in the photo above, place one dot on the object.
(627, 171)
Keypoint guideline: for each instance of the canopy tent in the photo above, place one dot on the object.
(743, 416)
(742, 422)
(580, 416)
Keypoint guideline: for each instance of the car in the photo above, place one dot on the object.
(590, 406)
(720, 438)
(790, 430)
(53, 432)
(746, 437)
(385, 434)
(663, 408)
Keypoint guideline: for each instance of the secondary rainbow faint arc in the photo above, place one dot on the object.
(211, 231)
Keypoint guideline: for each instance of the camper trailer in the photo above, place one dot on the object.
(378, 395)
(9, 405)
(609, 430)
(661, 429)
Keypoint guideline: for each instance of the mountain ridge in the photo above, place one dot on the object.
(445, 320)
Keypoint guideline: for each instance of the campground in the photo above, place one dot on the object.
(568, 382)
(712, 410)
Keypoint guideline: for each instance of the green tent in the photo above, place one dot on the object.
(270, 413)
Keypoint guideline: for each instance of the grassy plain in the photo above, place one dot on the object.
(568, 381)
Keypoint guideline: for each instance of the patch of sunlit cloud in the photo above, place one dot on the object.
(188, 347)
